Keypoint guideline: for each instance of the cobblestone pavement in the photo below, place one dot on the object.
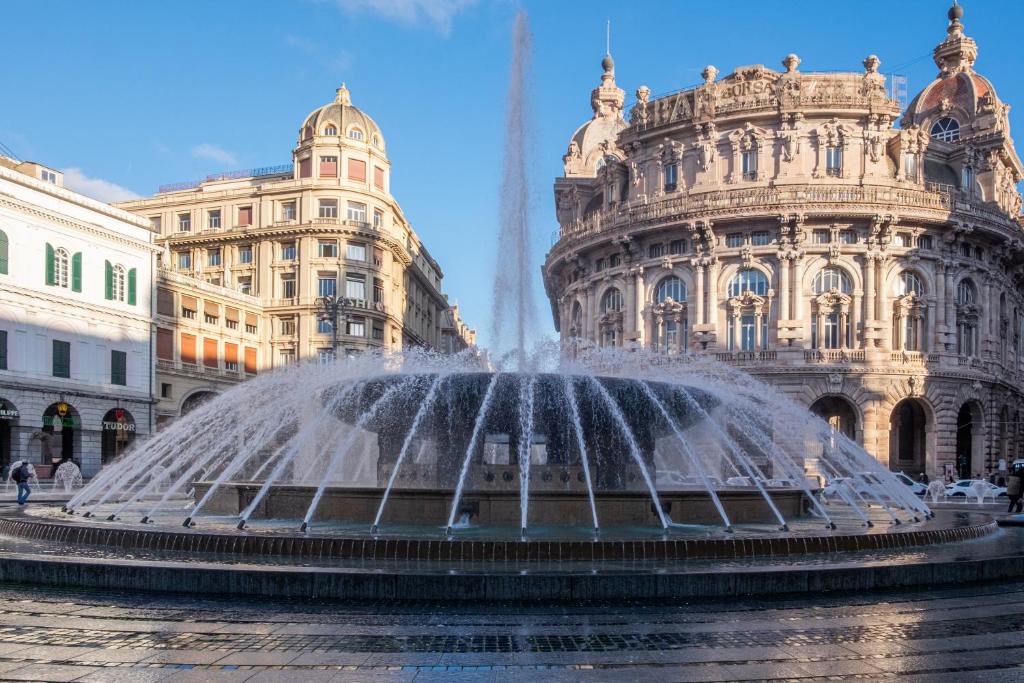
(971, 633)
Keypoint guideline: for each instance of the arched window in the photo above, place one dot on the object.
(946, 129)
(355, 133)
(909, 313)
(307, 132)
(375, 140)
(611, 302)
(748, 280)
(117, 283)
(909, 282)
(61, 267)
(965, 293)
(670, 288)
(831, 278)
(330, 129)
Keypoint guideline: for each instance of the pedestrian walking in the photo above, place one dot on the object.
(22, 473)
(1014, 490)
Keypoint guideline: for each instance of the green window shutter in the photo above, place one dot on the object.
(50, 279)
(119, 368)
(131, 287)
(61, 358)
(3, 349)
(3, 252)
(108, 281)
(76, 272)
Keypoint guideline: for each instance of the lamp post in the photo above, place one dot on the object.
(333, 308)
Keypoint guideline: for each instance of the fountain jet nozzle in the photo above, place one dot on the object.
(241, 525)
(111, 518)
(187, 523)
(303, 527)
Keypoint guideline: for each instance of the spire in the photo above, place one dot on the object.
(957, 52)
(342, 96)
(607, 99)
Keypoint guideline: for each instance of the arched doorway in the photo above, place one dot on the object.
(969, 441)
(61, 420)
(195, 400)
(907, 437)
(9, 416)
(839, 413)
(118, 434)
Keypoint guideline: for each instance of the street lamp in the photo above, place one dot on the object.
(333, 308)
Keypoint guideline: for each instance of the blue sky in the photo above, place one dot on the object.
(127, 96)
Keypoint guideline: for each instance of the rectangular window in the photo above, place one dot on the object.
(910, 167)
(328, 167)
(119, 368)
(210, 359)
(834, 161)
(165, 390)
(378, 219)
(324, 356)
(328, 208)
(734, 240)
(188, 348)
(61, 358)
(357, 170)
(925, 243)
(232, 324)
(901, 239)
(49, 177)
(288, 286)
(287, 356)
(288, 251)
(378, 333)
(356, 327)
(671, 177)
(324, 326)
(357, 212)
(378, 290)
(250, 323)
(287, 326)
(967, 180)
(245, 285)
(244, 216)
(847, 236)
(157, 222)
(327, 249)
(213, 219)
(613, 260)
(677, 247)
(164, 302)
(306, 168)
(656, 251)
(327, 285)
(231, 356)
(378, 177)
(3, 349)
(820, 237)
(599, 264)
(184, 222)
(749, 163)
(355, 286)
(378, 257)
(355, 252)
(213, 257)
(245, 254)
(761, 238)
(250, 360)
(287, 211)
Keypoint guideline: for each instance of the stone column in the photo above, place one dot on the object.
(928, 342)
(698, 274)
(711, 316)
(855, 300)
(784, 313)
(757, 330)
(588, 315)
(641, 332)
(798, 296)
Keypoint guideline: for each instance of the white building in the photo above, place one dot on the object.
(76, 342)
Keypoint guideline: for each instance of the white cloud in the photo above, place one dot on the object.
(97, 188)
(214, 153)
(410, 12)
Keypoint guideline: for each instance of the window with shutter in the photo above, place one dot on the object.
(188, 348)
(3, 252)
(3, 349)
(76, 272)
(108, 280)
(210, 359)
(164, 302)
(61, 358)
(378, 177)
(357, 170)
(132, 277)
(250, 360)
(245, 216)
(119, 368)
(164, 343)
(49, 264)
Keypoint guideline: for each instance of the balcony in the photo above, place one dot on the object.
(909, 358)
(746, 357)
(834, 356)
(201, 371)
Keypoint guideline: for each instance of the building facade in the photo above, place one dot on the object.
(208, 339)
(781, 221)
(76, 350)
(324, 225)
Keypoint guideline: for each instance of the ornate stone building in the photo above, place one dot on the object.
(782, 222)
(326, 224)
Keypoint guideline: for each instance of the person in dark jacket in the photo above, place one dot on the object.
(1013, 490)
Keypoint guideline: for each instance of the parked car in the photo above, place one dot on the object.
(962, 489)
(915, 486)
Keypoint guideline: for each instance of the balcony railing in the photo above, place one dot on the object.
(259, 172)
(745, 357)
(204, 286)
(834, 356)
(200, 370)
(908, 357)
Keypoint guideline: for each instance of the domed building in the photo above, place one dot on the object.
(268, 244)
(782, 222)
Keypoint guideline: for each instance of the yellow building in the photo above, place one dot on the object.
(324, 225)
